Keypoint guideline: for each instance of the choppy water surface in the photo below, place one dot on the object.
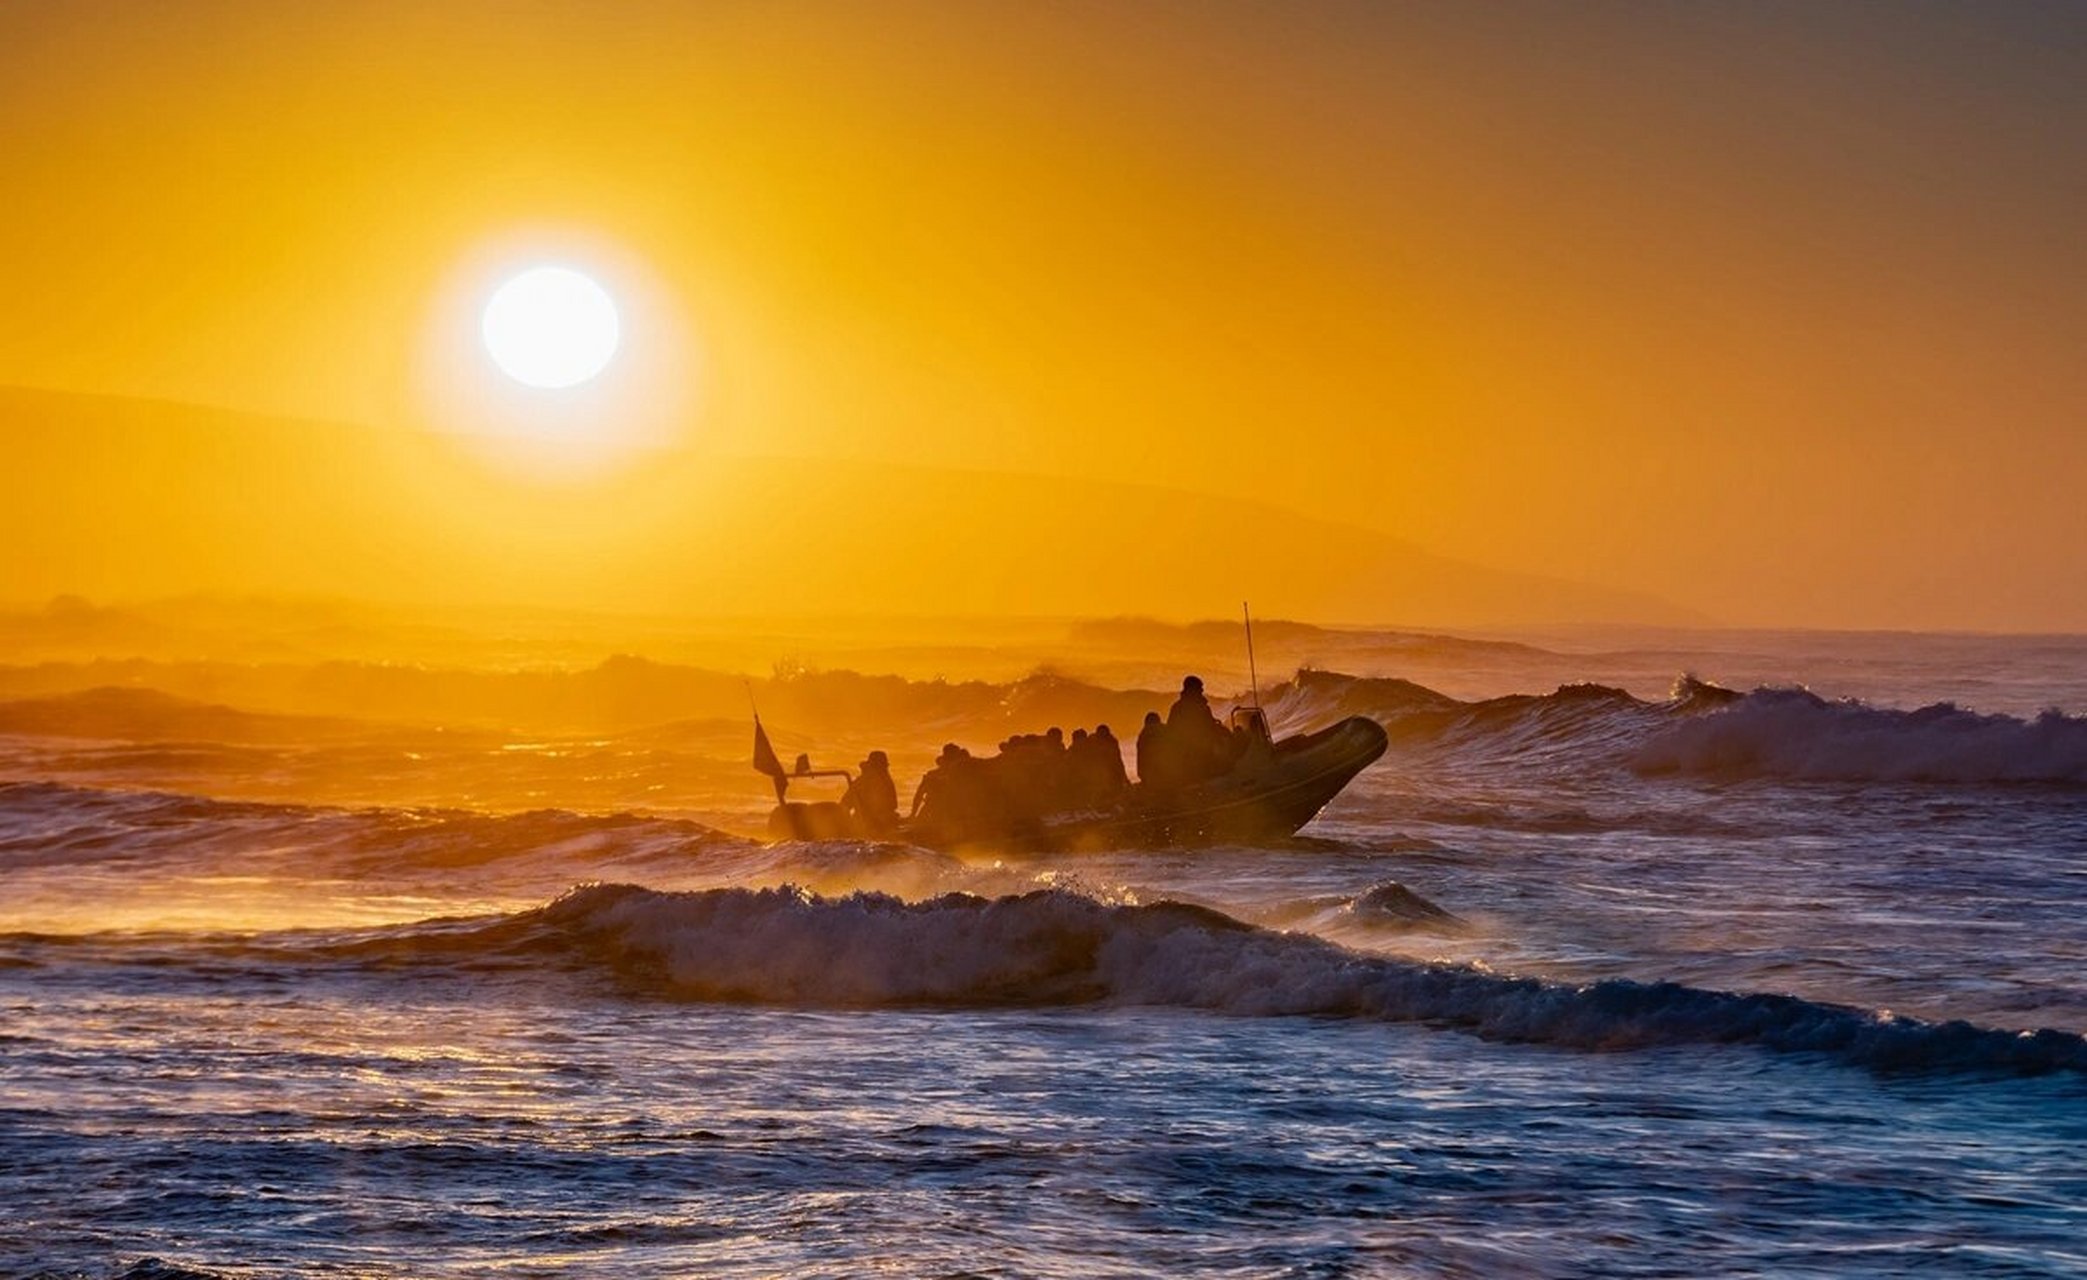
(1571, 984)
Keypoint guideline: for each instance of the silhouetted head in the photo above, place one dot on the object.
(1079, 736)
(1055, 736)
(1152, 717)
(877, 760)
(1194, 684)
(1102, 731)
(951, 751)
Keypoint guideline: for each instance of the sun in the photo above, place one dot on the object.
(559, 355)
(551, 327)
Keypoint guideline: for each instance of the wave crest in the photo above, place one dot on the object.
(1792, 733)
(1052, 947)
(1704, 730)
(48, 823)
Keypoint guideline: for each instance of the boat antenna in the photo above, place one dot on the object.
(1253, 676)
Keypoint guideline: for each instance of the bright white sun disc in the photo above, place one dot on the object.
(550, 327)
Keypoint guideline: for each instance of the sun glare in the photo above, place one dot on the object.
(551, 327)
(556, 354)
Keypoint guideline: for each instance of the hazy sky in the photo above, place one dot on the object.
(1778, 312)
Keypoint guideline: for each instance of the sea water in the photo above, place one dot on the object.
(1583, 981)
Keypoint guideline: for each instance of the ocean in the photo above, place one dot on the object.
(1677, 954)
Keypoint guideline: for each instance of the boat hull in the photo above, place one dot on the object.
(1269, 794)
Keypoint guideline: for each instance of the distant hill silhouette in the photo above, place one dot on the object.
(159, 701)
(147, 715)
(116, 498)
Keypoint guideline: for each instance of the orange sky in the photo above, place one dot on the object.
(1773, 313)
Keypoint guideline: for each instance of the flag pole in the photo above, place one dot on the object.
(1253, 676)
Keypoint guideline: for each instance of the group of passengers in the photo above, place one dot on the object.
(1035, 774)
(1031, 775)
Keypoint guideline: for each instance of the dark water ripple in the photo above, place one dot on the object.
(1066, 1143)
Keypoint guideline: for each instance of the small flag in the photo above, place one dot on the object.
(765, 761)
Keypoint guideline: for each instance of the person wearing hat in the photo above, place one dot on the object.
(873, 798)
(935, 784)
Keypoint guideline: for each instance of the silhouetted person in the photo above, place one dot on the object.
(1152, 752)
(873, 798)
(1109, 753)
(936, 780)
(1058, 771)
(1028, 774)
(1095, 768)
(964, 797)
(1197, 742)
(1192, 710)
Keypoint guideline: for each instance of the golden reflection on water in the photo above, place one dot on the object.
(232, 904)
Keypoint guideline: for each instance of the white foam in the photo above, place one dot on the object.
(1790, 733)
(789, 947)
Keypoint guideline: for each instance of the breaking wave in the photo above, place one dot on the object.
(1578, 723)
(1704, 730)
(48, 824)
(1053, 947)
(1791, 733)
